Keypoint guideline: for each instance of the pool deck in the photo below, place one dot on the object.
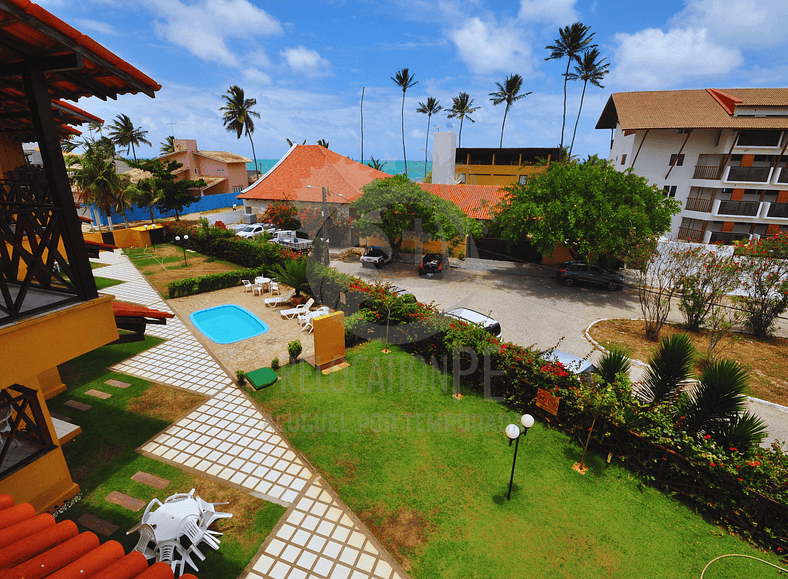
(232, 441)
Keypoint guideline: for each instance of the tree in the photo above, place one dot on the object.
(238, 116)
(123, 133)
(709, 276)
(174, 194)
(462, 107)
(590, 208)
(508, 93)
(657, 280)
(167, 146)
(323, 143)
(282, 214)
(390, 207)
(432, 107)
(145, 195)
(592, 70)
(376, 164)
(404, 81)
(96, 180)
(572, 40)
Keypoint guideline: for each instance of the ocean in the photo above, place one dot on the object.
(415, 168)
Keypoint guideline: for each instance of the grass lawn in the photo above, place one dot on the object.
(105, 282)
(102, 459)
(429, 475)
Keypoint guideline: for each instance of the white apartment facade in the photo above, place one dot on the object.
(723, 153)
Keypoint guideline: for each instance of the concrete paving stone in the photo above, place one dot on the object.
(340, 533)
(332, 549)
(323, 566)
(77, 405)
(117, 383)
(306, 560)
(382, 569)
(97, 525)
(150, 480)
(125, 501)
(263, 564)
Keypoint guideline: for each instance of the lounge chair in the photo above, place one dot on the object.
(286, 299)
(247, 285)
(298, 310)
(307, 317)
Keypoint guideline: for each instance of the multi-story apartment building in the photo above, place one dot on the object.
(720, 152)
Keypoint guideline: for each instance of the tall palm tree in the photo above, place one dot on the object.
(96, 180)
(432, 107)
(404, 81)
(508, 93)
(238, 115)
(167, 145)
(462, 106)
(572, 40)
(590, 69)
(124, 134)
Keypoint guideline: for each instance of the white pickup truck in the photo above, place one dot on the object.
(288, 239)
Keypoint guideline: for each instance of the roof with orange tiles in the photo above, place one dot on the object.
(318, 167)
(476, 201)
(36, 546)
(136, 311)
(695, 109)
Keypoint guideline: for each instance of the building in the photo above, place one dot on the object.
(50, 311)
(720, 152)
(222, 172)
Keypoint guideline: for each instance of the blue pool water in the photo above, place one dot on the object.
(227, 324)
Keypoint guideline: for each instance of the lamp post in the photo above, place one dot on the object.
(513, 432)
(325, 218)
(185, 238)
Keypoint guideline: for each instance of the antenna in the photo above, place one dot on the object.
(172, 131)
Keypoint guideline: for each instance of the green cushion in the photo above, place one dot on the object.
(262, 378)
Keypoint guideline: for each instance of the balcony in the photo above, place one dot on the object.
(690, 234)
(712, 172)
(698, 204)
(748, 174)
(779, 210)
(783, 177)
(727, 237)
(738, 208)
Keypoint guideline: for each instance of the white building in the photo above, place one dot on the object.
(720, 152)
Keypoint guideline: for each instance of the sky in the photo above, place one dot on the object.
(307, 64)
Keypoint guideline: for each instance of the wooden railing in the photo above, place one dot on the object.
(690, 234)
(698, 204)
(707, 172)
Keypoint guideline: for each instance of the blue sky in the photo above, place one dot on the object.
(307, 62)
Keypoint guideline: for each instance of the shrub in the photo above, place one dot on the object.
(294, 349)
(275, 364)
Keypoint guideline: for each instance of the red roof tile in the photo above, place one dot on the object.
(135, 311)
(476, 201)
(319, 167)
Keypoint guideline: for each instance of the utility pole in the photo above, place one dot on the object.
(326, 259)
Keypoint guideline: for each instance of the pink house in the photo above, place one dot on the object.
(222, 172)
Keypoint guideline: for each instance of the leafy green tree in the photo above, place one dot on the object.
(571, 41)
(590, 208)
(167, 146)
(123, 133)
(96, 180)
(174, 194)
(404, 80)
(145, 195)
(431, 107)
(376, 164)
(395, 205)
(508, 93)
(590, 69)
(462, 106)
(238, 116)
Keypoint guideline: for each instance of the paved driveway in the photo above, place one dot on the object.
(536, 310)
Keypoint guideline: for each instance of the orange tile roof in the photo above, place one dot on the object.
(476, 201)
(135, 311)
(319, 167)
(693, 109)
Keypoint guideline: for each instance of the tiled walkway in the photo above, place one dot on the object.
(230, 440)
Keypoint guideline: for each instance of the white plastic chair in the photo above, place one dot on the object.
(298, 310)
(257, 289)
(275, 288)
(303, 317)
(247, 285)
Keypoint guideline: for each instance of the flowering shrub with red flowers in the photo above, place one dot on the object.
(282, 214)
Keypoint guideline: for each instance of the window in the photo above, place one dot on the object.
(669, 190)
(248, 209)
(195, 171)
(523, 179)
(682, 131)
(461, 178)
(624, 159)
(759, 138)
(677, 160)
(237, 189)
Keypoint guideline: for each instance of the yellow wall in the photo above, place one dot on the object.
(329, 333)
(132, 237)
(495, 174)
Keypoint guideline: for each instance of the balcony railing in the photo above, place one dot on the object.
(783, 178)
(690, 234)
(726, 237)
(707, 172)
(778, 210)
(698, 204)
(25, 436)
(742, 208)
(748, 174)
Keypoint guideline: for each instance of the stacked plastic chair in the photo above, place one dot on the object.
(172, 532)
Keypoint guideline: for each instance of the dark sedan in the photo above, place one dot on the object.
(432, 265)
(572, 272)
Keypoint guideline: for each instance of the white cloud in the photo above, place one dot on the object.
(203, 28)
(737, 22)
(306, 61)
(95, 26)
(560, 12)
(654, 59)
(487, 47)
(255, 75)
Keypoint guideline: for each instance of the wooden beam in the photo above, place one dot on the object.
(676, 160)
(48, 64)
(640, 147)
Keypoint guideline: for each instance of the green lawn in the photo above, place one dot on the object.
(429, 475)
(103, 458)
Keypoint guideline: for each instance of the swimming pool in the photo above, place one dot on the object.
(228, 324)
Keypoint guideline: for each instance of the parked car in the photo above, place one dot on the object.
(474, 317)
(432, 264)
(375, 256)
(251, 231)
(570, 362)
(572, 272)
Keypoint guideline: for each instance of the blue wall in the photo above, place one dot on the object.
(207, 203)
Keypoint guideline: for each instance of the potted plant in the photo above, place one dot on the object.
(294, 350)
(294, 274)
(241, 376)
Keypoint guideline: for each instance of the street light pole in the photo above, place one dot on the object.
(514, 433)
(178, 238)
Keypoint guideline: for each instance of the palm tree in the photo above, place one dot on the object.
(376, 164)
(590, 70)
(670, 365)
(96, 180)
(124, 134)
(508, 93)
(238, 116)
(323, 143)
(571, 42)
(431, 108)
(145, 194)
(462, 107)
(405, 81)
(167, 146)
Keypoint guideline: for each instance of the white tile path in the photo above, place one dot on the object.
(229, 439)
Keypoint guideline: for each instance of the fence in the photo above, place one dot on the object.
(207, 203)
